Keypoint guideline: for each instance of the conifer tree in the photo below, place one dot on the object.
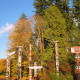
(76, 13)
(76, 5)
(42, 5)
(55, 29)
(63, 7)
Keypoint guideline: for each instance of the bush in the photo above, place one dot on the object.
(2, 77)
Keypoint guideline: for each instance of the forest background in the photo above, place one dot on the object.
(53, 20)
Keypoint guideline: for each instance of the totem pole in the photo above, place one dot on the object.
(35, 67)
(30, 71)
(8, 64)
(57, 58)
(19, 62)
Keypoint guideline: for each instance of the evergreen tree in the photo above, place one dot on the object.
(76, 13)
(42, 5)
(63, 6)
(55, 29)
(23, 16)
(76, 6)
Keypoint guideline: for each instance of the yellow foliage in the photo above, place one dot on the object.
(22, 33)
(23, 78)
(2, 77)
(21, 36)
(3, 65)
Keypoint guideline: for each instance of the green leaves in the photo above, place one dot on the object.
(55, 28)
(42, 5)
(47, 54)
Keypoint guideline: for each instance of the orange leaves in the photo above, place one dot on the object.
(51, 66)
(2, 77)
(3, 65)
(22, 33)
(65, 67)
(20, 36)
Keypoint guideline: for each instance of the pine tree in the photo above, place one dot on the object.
(42, 5)
(76, 13)
(63, 7)
(76, 5)
(55, 29)
(23, 16)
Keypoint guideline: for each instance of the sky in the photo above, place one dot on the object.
(10, 12)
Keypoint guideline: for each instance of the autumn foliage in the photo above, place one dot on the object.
(48, 25)
(3, 66)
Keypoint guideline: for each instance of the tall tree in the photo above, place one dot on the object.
(42, 5)
(39, 23)
(55, 29)
(76, 5)
(76, 13)
(63, 6)
(22, 33)
(21, 36)
(3, 66)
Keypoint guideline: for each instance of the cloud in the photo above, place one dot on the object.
(6, 29)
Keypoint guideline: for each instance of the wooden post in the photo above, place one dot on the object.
(76, 50)
(57, 60)
(19, 62)
(30, 71)
(35, 71)
(7, 69)
(8, 72)
(35, 67)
